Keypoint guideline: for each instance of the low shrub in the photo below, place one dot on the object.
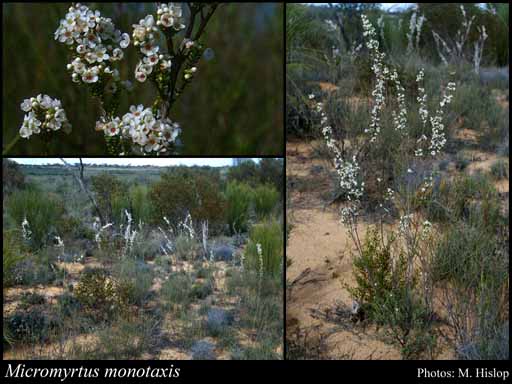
(99, 294)
(127, 338)
(134, 279)
(177, 289)
(40, 268)
(31, 326)
(202, 290)
(186, 247)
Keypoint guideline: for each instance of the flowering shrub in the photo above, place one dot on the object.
(387, 273)
(97, 47)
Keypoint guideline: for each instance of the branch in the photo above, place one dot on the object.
(81, 182)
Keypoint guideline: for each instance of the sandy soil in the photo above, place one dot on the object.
(320, 266)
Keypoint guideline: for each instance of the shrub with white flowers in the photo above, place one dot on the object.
(96, 48)
(399, 194)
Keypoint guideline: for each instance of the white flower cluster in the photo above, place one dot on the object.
(400, 118)
(260, 258)
(186, 227)
(426, 230)
(25, 230)
(150, 133)
(96, 42)
(381, 73)
(438, 139)
(145, 36)
(170, 15)
(43, 113)
(405, 223)
(348, 171)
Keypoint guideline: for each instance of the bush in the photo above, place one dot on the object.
(180, 193)
(68, 305)
(464, 254)
(265, 198)
(270, 236)
(29, 299)
(42, 211)
(374, 272)
(238, 197)
(408, 322)
(29, 327)
(111, 196)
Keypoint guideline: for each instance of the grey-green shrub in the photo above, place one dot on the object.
(265, 199)
(186, 247)
(177, 288)
(238, 196)
(135, 279)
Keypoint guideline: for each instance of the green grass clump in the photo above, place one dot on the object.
(269, 235)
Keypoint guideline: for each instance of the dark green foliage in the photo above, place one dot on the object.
(13, 178)
(265, 200)
(111, 195)
(183, 191)
(31, 326)
(238, 197)
(374, 274)
(202, 290)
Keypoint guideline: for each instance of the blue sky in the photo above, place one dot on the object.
(161, 162)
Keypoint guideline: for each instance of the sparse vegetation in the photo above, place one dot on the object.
(134, 264)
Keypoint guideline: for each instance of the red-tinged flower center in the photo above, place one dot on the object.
(113, 130)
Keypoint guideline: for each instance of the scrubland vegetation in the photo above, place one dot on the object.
(106, 262)
(400, 119)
